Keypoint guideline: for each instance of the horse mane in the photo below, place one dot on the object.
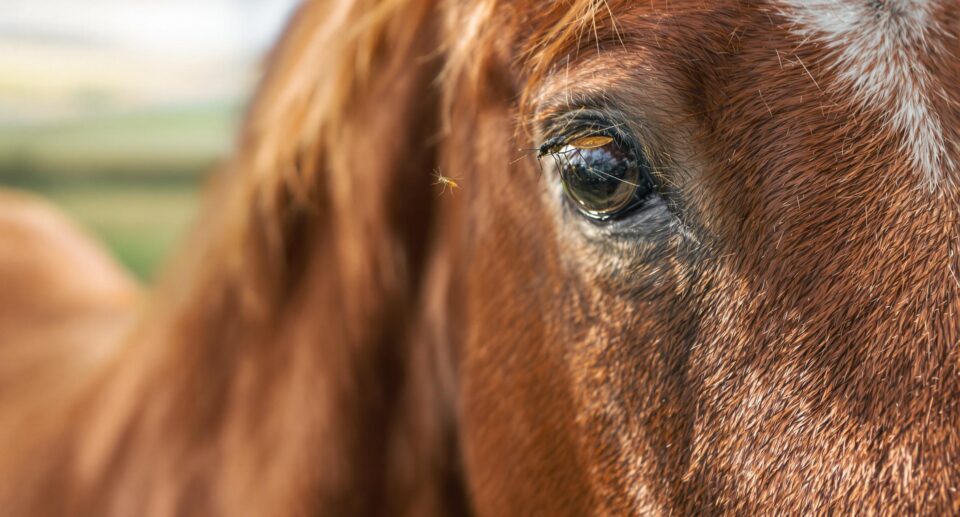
(276, 370)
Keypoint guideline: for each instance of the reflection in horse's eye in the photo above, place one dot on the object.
(605, 181)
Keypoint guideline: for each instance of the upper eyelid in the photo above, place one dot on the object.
(560, 121)
(559, 134)
(560, 124)
(552, 119)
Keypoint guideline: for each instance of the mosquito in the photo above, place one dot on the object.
(445, 182)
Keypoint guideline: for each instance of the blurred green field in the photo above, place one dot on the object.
(131, 179)
(140, 223)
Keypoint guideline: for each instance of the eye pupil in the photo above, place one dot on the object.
(603, 181)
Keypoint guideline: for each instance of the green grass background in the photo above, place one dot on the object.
(140, 223)
(132, 179)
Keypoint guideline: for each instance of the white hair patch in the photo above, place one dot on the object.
(879, 44)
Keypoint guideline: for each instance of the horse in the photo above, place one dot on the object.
(701, 259)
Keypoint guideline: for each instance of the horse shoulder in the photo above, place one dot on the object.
(50, 268)
(64, 302)
(64, 306)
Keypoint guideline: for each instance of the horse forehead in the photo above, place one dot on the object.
(885, 53)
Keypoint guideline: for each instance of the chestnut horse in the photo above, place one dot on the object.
(703, 260)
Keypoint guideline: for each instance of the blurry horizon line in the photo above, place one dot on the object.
(65, 60)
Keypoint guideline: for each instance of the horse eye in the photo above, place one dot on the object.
(604, 181)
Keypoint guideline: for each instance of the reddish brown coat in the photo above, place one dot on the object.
(340, 339)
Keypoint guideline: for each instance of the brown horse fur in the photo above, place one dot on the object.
(341, 340)
(66, 304)
(54, 319)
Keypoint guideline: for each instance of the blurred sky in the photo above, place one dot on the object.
(70, 58)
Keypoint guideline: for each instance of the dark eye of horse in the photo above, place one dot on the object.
(605, 181)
